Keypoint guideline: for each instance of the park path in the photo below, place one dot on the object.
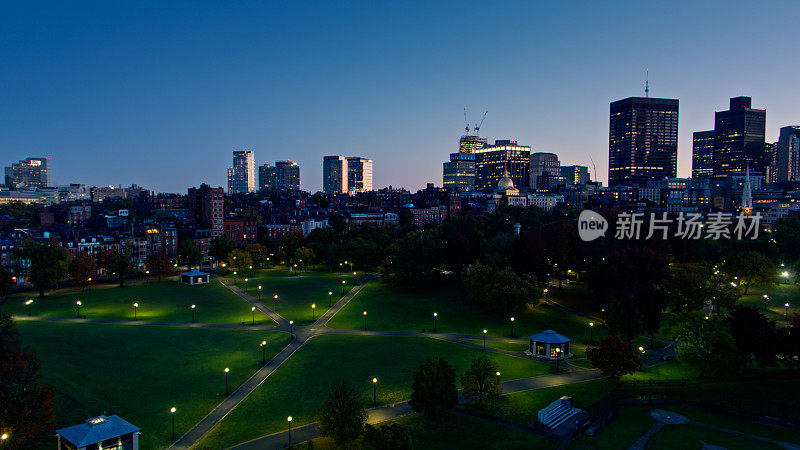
(160, 323)
(280, 440)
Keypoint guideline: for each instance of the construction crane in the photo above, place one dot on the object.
(466, 124)
(478, 126)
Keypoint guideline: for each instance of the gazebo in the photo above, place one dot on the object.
(194, 276)
(99, 432)
(548, 345)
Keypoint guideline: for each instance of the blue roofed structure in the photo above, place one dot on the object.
(548, 345)
(106, 432)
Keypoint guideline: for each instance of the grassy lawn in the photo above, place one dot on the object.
(141, 372)
(779, 295)
(297, 293)
(391, 308)
(758, 429)
(158, 300)
(500, 345)
(628, 424)
(300, 385)
(521, 408)
(694, 436)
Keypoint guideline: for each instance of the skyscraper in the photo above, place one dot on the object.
(287, 175)
(491, 163)
(642, 140)
(242, 176)
(267, 177)
(359, 174)
(702, 154)
(459, 173)
(29, 172)
(545, 172)
(206, 207)
(739, 138)
(575, 175)
(334, 174)
(788, 154)
(469, 143)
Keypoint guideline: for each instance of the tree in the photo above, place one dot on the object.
(6, 281)
(158, 264)
(751, 268)
(560, 238)
(480, 379)
(500, 290)
(342, 415)
(387, 437)
(434, 388)
(240, 260)
(257, 254)
(82, 268)
(188, 254)
(708, 344)
(614, 357)
(687, 287)
(289, 245)
(119, 263)
(753, 334)
(304, 257)
(9, 338)
(220, 247)
(48, 262)
(415, 260)
(25, 407)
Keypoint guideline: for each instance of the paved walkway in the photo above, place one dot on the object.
(160, 323)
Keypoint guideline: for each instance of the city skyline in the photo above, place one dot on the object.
(134, 92)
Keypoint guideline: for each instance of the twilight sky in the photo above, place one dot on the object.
(160, 93)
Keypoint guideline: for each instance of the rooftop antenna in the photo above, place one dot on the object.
(646, 83)
(466, 124)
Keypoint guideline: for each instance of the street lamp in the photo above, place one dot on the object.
(558, 359)
(226, 380)
(135, 307)
(365, 321)
(603, 315)
(766, 297)
(641, 359)
(330, 295)
(193, 307)
(591, 332)
(3, 438)
(545, 296)
(28, 304)
(275, 302)
(484, 339)
(263, 352)
(498, 378)
(289, 419)
(253, 310)
(172, 412)
(354, 278)
(259, 292)
(343, 283)
(435, 322)
(234, 276)
(245, 284)
(78, 306)
(313, 307)
(787, 309)
(512, 327)
(374, 392)
(291, 328)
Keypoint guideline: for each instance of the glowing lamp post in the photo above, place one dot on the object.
(365, 321)
(193, 308)
(330, 295)
(259, 293)
(512, 327)
(135, 307)
(253, 310)
(766, 297)
(484, 339)
(245, 284)
(558, 359)
(291, 328)
(498, 378)
(343, 283)
(374, 392)
(435, 322)
(263, 352)
(275, 302)
(313, 308)
(78, 306)
(787, 309)
(603, 315)
(591, 332)
(289, 420)
(3, 439)
(28, 304)
(226, 380)
(172, 413)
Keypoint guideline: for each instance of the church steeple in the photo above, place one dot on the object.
(747, 194)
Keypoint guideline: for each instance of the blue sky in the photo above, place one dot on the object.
(161, 93)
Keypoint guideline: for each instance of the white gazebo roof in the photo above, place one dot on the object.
(194, 273)
(549, 337)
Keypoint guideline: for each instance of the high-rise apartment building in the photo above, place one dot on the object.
(702, 154)
(493, 161)
(359, 174)
(739, 139)
(206, 206)
(27, 173)
(287, 175)
(334, 174)
(787, 154)
(459, 173)
(575, 175)
(642, 140)
(267, 177)
(545, 172)
(242, 176)
(469, 143)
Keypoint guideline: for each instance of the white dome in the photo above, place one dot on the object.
(505, 182)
